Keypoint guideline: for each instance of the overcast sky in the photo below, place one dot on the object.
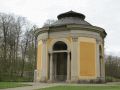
(103, 13)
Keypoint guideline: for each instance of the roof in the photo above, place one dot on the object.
(70, 17)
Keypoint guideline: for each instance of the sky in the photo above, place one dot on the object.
(102, 13)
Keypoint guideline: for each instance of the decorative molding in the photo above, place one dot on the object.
(60, 34)
(73, 27)
(75, 39)
(59, 39)
(42, 36)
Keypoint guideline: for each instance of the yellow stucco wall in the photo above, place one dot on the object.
(69, 38)
(39, 58)
(48, 42)
(87, 58)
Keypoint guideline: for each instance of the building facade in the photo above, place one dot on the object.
(70, 50)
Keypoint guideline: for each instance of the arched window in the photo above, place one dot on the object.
(60, 46)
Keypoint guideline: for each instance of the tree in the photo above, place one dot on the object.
(49, 22)
(112, 67)
(16, 46)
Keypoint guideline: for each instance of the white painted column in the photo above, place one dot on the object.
(55, 67)
(97, 59)
(102, 63)
(51, 66)
(68, 67)
(44, 61)
(74, 59)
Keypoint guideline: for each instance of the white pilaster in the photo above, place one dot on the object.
(97, 59)
(74, 59)
(51, 66)
(68, 67)
(44, 61)
(102, 64)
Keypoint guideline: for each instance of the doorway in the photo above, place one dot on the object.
(60, 61)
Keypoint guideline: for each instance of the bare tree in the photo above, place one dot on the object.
(15, 47)
(49, 22)
(112, 67)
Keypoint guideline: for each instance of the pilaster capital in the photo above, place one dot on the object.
(98, 41)
(75, 38)
(44, 41)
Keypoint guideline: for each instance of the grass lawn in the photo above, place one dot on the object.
(83, 88)
(4, 85)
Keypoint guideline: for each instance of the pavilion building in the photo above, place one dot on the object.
(70, 50)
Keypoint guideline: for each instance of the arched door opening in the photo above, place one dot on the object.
(60, 61)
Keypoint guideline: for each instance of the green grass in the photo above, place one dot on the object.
(4, 85)
(82, 88)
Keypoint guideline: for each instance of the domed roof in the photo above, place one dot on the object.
(70, 17)
(71, 21)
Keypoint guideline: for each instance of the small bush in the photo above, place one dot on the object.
(112, 79)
